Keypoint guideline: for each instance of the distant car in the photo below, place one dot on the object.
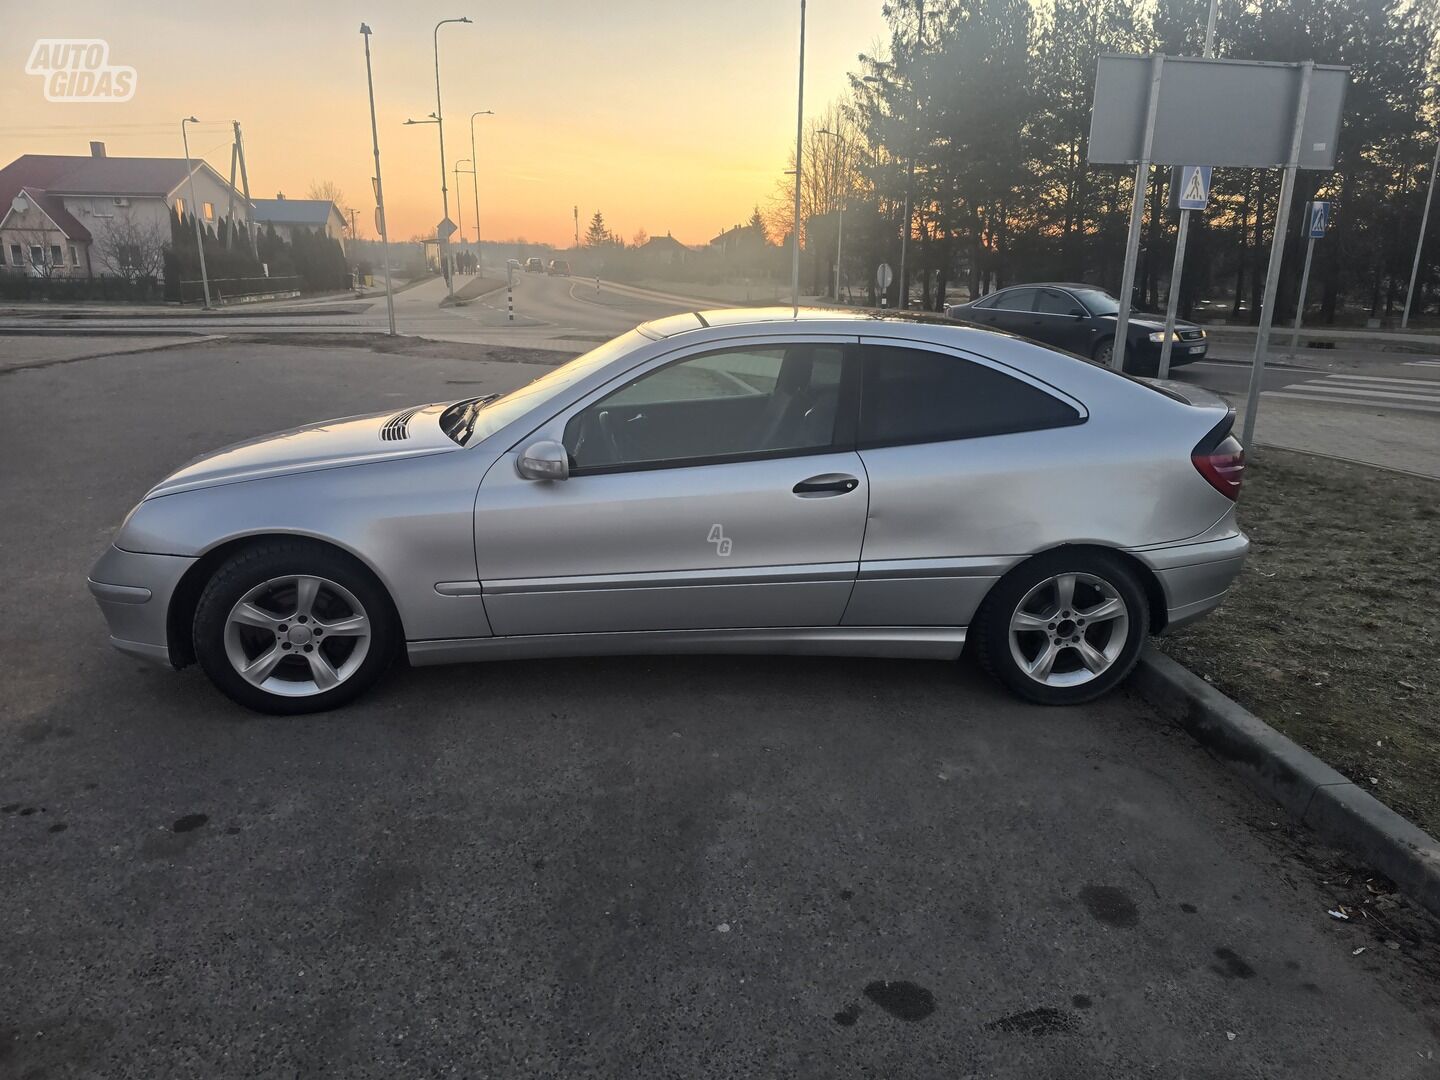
(1081, 319)
(512, 264)
(746, 480)
(559, 268)
(534, 266)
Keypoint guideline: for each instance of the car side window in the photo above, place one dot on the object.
(1055, 302)
(914, 396)
(728, 404)
(986, 302)
(1016, 300)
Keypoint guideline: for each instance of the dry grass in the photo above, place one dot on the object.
(1332, 634)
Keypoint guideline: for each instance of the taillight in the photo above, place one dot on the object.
(1222, 463)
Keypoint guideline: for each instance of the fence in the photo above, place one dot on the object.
(21, 286)
(227, 290)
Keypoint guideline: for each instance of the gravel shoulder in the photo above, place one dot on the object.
(1331, 633)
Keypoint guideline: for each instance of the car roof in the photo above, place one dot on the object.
(736, 317)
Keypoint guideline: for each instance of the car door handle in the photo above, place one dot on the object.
(825, 484)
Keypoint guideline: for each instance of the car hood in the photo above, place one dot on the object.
(349, 440)
(1145, 321)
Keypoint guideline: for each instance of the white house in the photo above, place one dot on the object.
(67, 215)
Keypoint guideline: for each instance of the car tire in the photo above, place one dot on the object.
(1093, 637)
(260, 626)
(1103, 351)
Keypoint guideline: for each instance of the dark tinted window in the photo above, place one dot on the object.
(1016, 300)
(1055, 302)
(910, 395)
(985, 302)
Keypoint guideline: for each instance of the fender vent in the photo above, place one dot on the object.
(398, 426)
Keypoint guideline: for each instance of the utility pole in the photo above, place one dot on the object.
(379, 187)
(577, 227)
(799, 137)
(1137, 218)
(195, 210)
(443, 241)
(910, 171)
(245, 190)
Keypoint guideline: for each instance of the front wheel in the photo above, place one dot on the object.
(1063, 628)
(293, 627)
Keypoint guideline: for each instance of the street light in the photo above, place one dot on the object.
(195, 209)
(840, 226)
(799, 135)
(1424, 221)
(475, 183)
(459, 207)
(439, 118)
(379, 187)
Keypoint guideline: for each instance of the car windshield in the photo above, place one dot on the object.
(478, 419)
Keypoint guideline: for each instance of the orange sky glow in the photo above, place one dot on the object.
(665, 115)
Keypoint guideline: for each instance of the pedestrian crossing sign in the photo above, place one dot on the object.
(1317, 220)
(1194, 187)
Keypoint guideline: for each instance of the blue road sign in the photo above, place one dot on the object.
(1317, 220)
(1194, 187)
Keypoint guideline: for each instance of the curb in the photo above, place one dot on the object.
(1277, 768)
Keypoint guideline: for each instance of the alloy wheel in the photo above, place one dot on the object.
(1069, 629)
(297, 636)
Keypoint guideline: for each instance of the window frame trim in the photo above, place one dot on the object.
(998, 366)
(846, 419)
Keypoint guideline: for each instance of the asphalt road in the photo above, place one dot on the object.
(634, 867)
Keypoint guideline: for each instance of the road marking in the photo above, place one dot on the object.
(1422, 363)
(1389, 393)
(1326, 400)
(1382, 379)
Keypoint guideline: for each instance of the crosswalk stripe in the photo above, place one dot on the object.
(1364, 391)
(1422, 363)
(1328, 400)
(1421, 383)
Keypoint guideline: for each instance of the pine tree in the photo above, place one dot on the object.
(597, 235)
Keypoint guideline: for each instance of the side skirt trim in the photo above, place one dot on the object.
(918, 642)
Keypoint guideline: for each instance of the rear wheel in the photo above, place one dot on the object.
(1064, 627)
(293, 627)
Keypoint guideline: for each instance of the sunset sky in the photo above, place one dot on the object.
(665, 115)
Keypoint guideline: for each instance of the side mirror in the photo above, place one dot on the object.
(544, 460)
(1078, 315)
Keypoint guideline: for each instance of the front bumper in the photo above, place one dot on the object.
(134, 591)
(1196, 577)
(1181, 352)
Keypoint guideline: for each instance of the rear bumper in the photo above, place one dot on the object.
(133, 591)
(1196, 577)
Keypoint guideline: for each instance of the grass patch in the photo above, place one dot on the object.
(1332, 633)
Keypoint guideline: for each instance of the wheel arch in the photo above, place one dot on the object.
(1149, 582)
(180, 616)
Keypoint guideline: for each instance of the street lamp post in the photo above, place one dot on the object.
(379, 187)
(195, 209)
(840, 225)
(459, 206)
(475, 184)
(799, 135)
(439, 118)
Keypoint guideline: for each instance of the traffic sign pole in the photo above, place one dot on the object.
(1174, 299)
(1277, 253)
(1137, 219)
(1304, 287)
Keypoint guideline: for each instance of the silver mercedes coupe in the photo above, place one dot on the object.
(742, 481)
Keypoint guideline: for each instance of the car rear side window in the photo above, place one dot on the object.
(914, 396)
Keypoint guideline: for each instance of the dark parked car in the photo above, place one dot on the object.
(558, 268)
(1081, 319)
(534, 266)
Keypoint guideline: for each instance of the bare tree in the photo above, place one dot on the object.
(832, 146)
(131, 249)
(329, 191)
(640, 238)
(32, 240)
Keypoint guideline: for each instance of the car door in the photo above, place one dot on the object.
(1062, 321)
(718, 488)
(1014, 311)
(957, 450)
